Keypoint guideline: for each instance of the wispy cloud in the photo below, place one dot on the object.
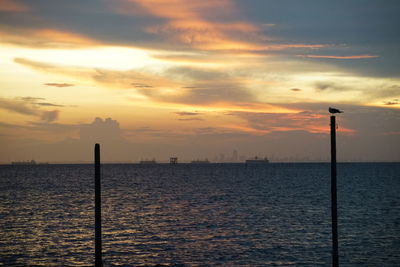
(29, 106)
(185, 113)
(329, 85)
(392, 103)
(190, 119)
(141, 80)
(59, 84)
(46, 104)
(18, 106)
(204, 86)
(341, 57)
(45, 38)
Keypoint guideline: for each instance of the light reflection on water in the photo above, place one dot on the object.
(200, 215)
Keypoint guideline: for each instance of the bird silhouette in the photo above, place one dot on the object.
(334, 110)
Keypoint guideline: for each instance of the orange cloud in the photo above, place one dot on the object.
(13, 6)
(45, 38)
(192, 23)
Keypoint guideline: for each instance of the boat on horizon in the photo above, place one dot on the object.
(198, 161)
(153, 161)
(257, 160)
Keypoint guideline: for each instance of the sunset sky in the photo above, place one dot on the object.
(197, 79)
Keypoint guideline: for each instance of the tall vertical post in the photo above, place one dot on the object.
(97, 206)
(335, 249)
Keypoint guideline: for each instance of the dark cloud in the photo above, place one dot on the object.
(45, 104)
(50, 116)
(295, 89)
(59, 84)
(101, 130)
(30, 106)
(18, 106)
(190, 119)
(392, 102)
(31, 99)
(185, 113)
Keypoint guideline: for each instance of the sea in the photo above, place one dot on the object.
(275, 214)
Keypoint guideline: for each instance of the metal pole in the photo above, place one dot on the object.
(335, 249)
(97, 206)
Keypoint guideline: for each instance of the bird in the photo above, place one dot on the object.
(334, 110)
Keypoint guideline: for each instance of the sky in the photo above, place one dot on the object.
(198, 79)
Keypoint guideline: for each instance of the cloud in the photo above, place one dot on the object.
(205, 86)
(204, 93)
(13, 126)
(36, 64)
(48, 104)
(45, 38)
(386, 91)
(35, 101)
(13, 6)
(295, 90)
(190, 119)
(101, 130)
(31, 99)
(18, 106)
(141, 85)
(185, 113)
(59, 84)
(140, 79)
(209, 26)
(341, 57)
(309, 121)
(50, 116)
(392, 103)
(31, 107)
(190, 73)
(329, 86)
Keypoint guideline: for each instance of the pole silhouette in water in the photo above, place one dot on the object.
(335, 245)
(97, 206)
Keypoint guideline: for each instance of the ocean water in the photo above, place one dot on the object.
(200, 215)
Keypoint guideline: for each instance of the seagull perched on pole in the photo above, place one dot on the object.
(334, 110)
